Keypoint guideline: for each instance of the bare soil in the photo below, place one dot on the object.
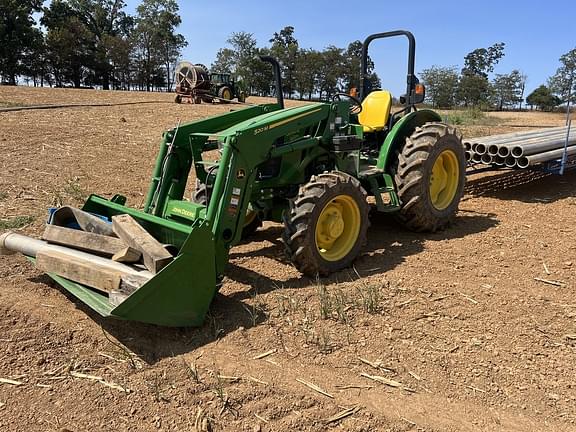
(454, 322)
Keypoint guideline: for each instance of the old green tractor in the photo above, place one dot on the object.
(318, 169)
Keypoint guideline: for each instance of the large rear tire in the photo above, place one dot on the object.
(225, 93)
(430, 174)
(326, 225)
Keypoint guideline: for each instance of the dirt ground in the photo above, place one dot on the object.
(454, 326)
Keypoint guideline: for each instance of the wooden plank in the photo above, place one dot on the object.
(85, 241)
(127, 255)
(79, 269)
(154, 255)
(128, 285)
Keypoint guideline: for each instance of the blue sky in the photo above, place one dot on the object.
(536, 33)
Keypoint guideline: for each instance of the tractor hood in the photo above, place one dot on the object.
(271, 120)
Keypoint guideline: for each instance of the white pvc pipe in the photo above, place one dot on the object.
(11, 242)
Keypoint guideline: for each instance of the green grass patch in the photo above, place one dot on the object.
(15, 222)
(75, 191)
(469, 117)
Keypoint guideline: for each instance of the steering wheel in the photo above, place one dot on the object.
(355, 104)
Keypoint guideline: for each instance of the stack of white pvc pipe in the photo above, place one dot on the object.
(522, 149)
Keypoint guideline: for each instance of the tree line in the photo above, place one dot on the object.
(448, 87)
(307, 73)
(90, 42)
(86, 43)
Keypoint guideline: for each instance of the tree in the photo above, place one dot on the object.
(331, 71)
(17, 36)
(242, 60)
(508, 89)
(441, 85)
(563, 83)
(474, 87)
(481, 61)
(67, 43)
(120, 51)
(224, 62)
(285, 49)
(473, 90)
(103, 19)
(352, 66)
(306, 72)
(159, 46)
(34, 63)
(262, 76)
(543, 98)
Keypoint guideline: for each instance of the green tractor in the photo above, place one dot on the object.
(195, 84)
(312, 168)
(225, 87)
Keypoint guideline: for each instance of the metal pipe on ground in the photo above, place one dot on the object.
(509, 137)
(503, 152)
(11, 242)
(532, 141)
(542, 146)
(493, 150)
(468, 155)
(476, 158)
(510, 162)
(467, 146)
(486, 159)
(480, 149)
(526, 161)
(499, 160)
(524, 140)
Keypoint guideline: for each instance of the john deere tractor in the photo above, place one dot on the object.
(318, 169)
(195, 83)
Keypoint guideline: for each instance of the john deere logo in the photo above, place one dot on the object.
(240, 174)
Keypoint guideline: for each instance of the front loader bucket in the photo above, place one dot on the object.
(178, 296)
(181, 293)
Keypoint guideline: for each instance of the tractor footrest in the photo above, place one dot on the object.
(370, 172)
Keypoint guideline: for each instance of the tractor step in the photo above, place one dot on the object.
(382, 187)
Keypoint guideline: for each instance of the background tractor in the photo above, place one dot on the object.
(196, 84)
(312, 168)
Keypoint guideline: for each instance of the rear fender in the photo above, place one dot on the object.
(397, 136)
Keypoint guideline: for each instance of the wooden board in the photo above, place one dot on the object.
(154, 255)
(127, 255)
(128, 285)
(79, 269)
(85, 241)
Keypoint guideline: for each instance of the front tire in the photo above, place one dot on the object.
(430, 174)
(326, 225)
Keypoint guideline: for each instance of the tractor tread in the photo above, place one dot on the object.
(299, 222)
(411, 174)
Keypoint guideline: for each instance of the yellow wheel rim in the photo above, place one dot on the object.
(226, 94)
(337, 228)
(444, 179)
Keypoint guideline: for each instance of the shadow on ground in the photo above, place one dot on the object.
(523, 185)
(388, 247)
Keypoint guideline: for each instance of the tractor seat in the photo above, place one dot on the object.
(375, 111)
